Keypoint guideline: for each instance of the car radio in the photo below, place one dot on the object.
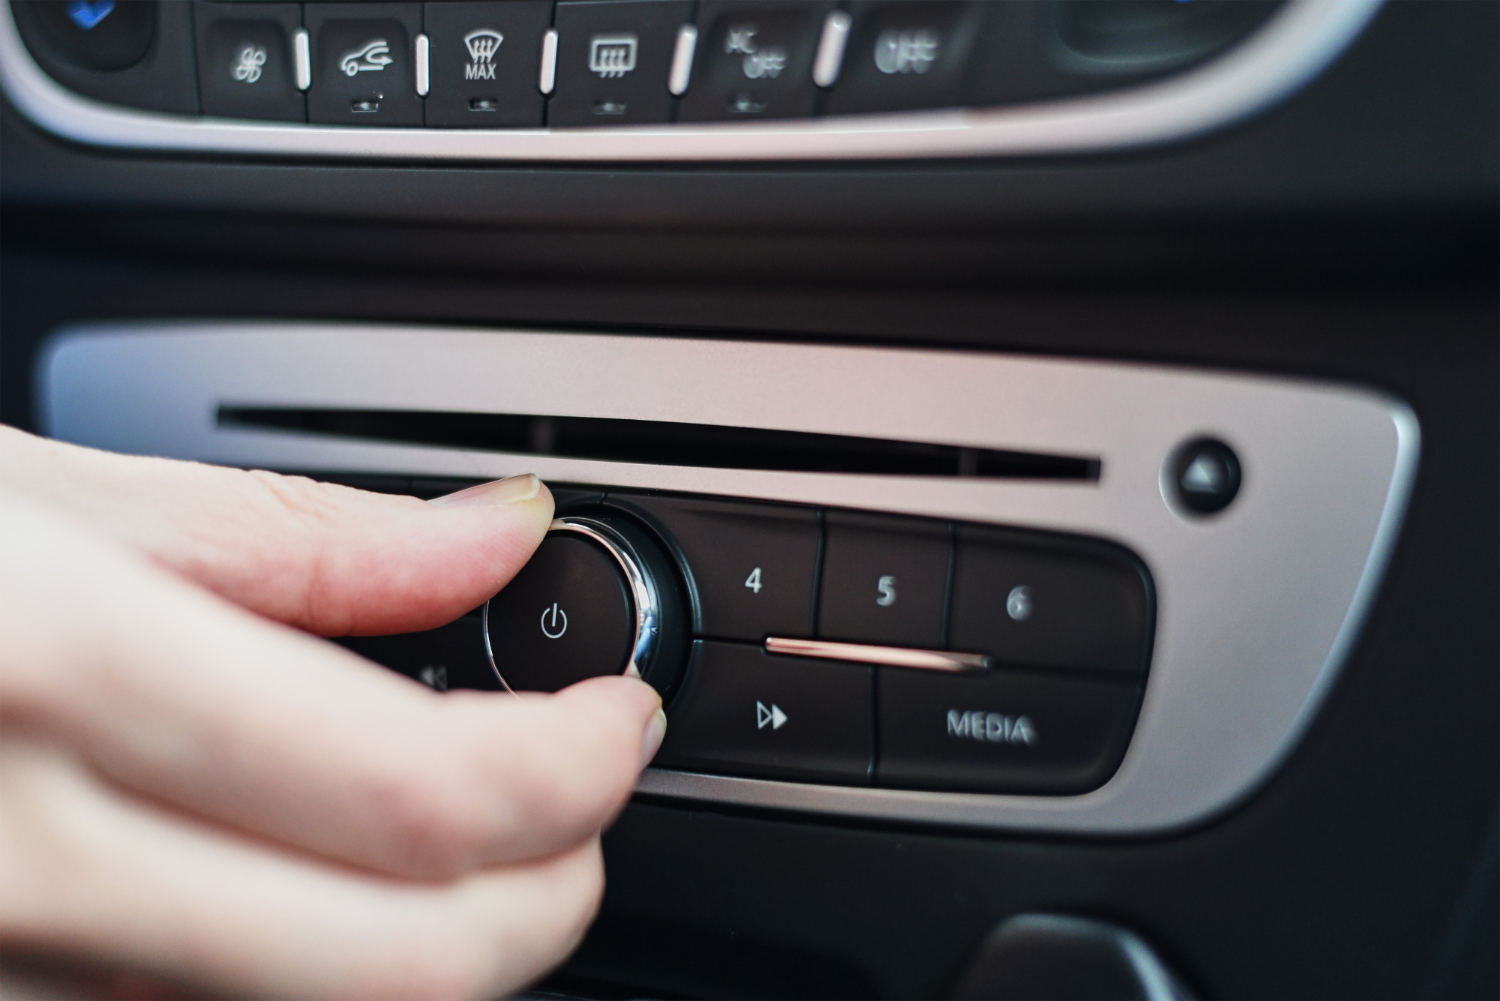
(791, 642)
(920, 585)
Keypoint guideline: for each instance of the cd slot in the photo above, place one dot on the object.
(665, 443)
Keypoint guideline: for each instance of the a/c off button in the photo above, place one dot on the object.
(1002, 731)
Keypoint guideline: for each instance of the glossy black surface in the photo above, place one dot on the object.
(140, 55)
(100, 36)
(1065, 958)
(1205, 476)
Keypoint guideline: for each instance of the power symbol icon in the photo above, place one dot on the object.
(554, 622)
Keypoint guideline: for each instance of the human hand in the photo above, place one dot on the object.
(192, 786)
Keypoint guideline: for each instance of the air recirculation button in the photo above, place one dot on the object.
(599, 597)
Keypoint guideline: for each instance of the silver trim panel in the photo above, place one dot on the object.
(886, 656)
(1257, 608)
(1293, 47)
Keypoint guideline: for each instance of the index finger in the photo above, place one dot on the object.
(322, 557)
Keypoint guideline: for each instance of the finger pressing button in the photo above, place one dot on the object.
(565, 617)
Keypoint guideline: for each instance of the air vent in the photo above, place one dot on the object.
(665, 443)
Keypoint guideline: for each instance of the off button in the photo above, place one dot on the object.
(565, 617)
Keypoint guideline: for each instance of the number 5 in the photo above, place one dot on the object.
(753, 581)
(887, 588)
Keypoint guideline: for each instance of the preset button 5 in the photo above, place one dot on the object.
(884, 580)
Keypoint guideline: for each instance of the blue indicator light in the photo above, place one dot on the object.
(87, 15)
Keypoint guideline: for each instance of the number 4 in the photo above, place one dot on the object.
(753, 581)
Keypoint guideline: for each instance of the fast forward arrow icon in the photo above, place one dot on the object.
(768, 715)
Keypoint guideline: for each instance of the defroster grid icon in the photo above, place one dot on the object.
(612, 55)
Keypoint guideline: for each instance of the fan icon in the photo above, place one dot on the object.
(248, 62)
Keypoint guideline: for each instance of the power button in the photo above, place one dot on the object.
(554, 622)
(565, 617)
(598, 597)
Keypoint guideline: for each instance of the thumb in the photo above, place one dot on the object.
(325, 558)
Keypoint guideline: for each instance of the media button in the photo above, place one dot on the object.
(1001, 731)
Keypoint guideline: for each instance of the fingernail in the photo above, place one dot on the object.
(655, 731)
(496, 493)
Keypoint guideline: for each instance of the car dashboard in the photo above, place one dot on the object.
(1044, 453)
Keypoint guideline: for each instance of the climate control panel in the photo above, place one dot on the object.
(659, 79)
(820, 645)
